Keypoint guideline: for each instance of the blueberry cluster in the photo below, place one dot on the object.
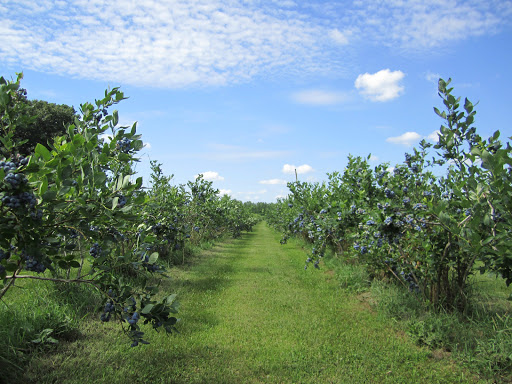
(8, 166)
(31, 264)
(95, 250)
(121, 202)
(419, 206)
(107, 310)
(124, 145)
(408, 277)
(98, 116)
(21, 200)
(389, 193)
(15, 179)
(134, 318)
(36, 215)
(149, 267)
(316, 264)
(446, 195)
(158, 228)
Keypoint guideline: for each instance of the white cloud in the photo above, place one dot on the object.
(225, 192)
(339, 37)
(408, 139)
(320, 97)
(180, 43)
(424, 25)
(273, 182)
(164, 43)
(374, 158)
(411, 138)
(211, 176)
(147, 145)
(432, 77)
(301, 169)
(434, 136)
(381, 86)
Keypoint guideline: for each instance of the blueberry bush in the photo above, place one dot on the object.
(74, 212)
(428, 232)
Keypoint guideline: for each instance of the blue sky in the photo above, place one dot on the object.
(247, 91)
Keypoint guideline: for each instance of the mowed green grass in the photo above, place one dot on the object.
(252, 314)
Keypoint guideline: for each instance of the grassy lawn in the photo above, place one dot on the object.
(252, 314)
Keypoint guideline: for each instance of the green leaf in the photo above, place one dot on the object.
(119, 183)
(64, 190)
(99, 178)
(49, 195)
(115, 201)
(43, 152)
(147, 309)
(126, 181)
(153, 258)
(115, 118)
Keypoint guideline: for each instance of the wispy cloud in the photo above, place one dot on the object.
(214, 42)
(161, 43)
(419, 24)
(340, 38)
(273, 182)
(320, 97)
(301, 169)
(381, 86)
(432, 77)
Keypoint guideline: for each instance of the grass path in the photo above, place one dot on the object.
(251, 314)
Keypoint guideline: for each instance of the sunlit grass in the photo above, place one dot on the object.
(251, 314)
